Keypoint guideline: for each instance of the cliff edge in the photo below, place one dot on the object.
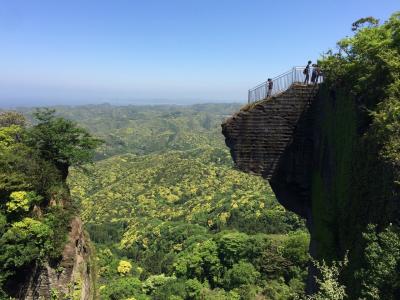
(320, 164)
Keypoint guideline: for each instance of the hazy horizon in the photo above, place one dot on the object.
(133, 102)
(136, 102)
(183, 52)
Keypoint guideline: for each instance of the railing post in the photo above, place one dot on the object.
(293, 74)
(248, 97)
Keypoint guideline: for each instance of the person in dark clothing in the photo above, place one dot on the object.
(318, 73)
(306, 72)
(314, 74)
(270, 86)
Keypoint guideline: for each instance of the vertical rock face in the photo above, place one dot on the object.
(276, 139)
(272, 138)
(322, 165)
(73, 277)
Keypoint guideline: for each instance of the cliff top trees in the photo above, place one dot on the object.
(34, 164)
(368, 61)
(61, 141)
(365, 73)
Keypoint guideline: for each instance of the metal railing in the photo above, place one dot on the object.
(280, 84)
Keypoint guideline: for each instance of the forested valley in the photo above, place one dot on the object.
(172, 219)
(169, 216)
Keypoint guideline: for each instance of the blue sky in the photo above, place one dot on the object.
(176, 51)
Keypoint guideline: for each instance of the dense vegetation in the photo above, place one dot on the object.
(361, 125)
(149, 129)
(35, 209)
(171, 219)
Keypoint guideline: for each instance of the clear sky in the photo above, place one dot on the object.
(148, 51)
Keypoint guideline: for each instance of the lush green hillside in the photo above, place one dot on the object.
(170, 217)
(173, 194)
(149, 129)
(196, 186)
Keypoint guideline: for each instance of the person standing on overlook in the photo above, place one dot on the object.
(306, 72)
(314, 74)
(270, 86)
(319, 73)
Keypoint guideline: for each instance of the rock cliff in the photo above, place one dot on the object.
(272, 138)
(320, 164)
(72, 278)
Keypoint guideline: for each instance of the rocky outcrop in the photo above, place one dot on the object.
(71, 278)
(272, 138)
(322, 164)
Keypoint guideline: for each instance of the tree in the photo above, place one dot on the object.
(200, 261)
(22, 201)
(61, 141)
(242, 273)
(380, 277)
(368, 21)
(25, 241)
(232, 247)
(21, 168)
(124, 267)
(330, 287)
(295, 251)
(3, 223)
(9, 118)
(123, 288)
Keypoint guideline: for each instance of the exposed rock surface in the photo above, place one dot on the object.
(276, 139)
(321, 165)
(272, 138)
(72, 278)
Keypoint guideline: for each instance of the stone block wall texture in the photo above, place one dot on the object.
(272, 139)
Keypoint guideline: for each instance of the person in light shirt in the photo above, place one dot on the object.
(270, 86)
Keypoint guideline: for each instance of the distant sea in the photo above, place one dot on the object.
(10, 104)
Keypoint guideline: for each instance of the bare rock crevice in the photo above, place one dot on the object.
(71, 278)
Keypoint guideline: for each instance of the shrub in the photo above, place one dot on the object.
(124, 267)
(21, 201)
(242, 273)
(122, 288)
(25, 242)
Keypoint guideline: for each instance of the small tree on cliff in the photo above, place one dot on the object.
(329, 284)
(61, 141)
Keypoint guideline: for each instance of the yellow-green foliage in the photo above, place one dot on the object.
(8, 136)
(169, 204)
(21, 201)
(329, 284)
(191, 186)
(124, 267)
(18, 201)
(151, 129)
(25, 241)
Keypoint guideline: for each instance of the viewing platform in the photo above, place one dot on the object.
(281, 83)
(272, 137)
